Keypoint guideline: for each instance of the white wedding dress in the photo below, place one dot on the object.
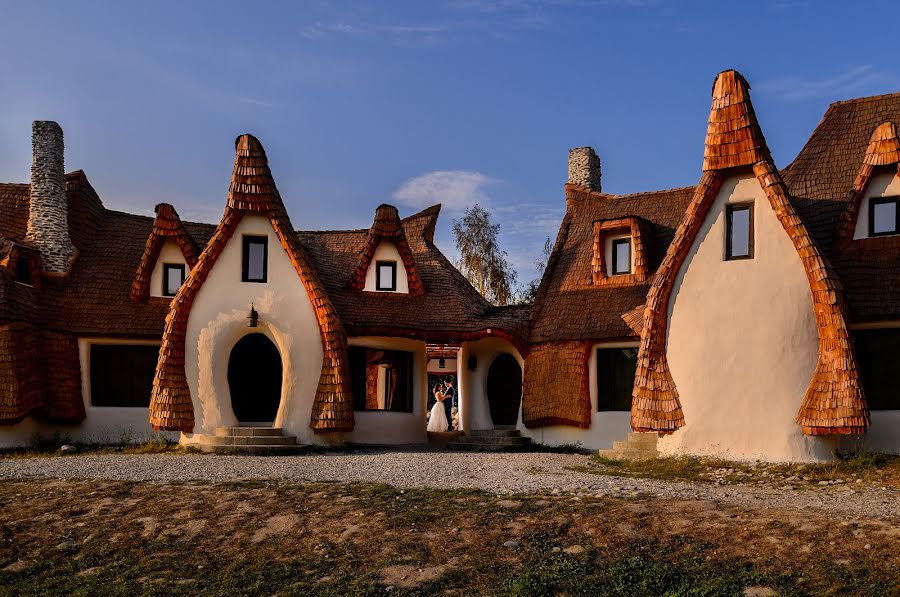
(438, 419)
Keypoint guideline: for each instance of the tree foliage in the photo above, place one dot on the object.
(481, 260)
(529, 294)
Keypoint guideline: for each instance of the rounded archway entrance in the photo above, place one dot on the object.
(504, 389)
(254, 379)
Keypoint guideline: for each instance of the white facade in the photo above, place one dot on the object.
(101, 425)
(387, 251)
(742, 342)
(218, 319)
(169, 255)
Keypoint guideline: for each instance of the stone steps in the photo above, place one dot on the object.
(498, 439)
(638, 446)
(250, 440)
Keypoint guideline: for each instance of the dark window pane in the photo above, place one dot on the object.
(740, 232)
(381, 379)
(386, 275)
(255, 256)
(884, 217)
(615, 378)
(122, 375)
(173, 278)
(878, 353)
(621, 256)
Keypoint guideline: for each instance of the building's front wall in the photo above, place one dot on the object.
(474, 409)
(606, 426)
(386, 427)
(170, 254)
(218, 319)
(387, 251)
(101, 425)
(742, 341)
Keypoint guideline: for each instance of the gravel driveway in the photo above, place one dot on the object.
(526, 472)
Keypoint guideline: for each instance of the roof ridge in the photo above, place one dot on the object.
(867, 98)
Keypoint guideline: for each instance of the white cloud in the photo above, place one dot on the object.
(454, 189)
(859, 80)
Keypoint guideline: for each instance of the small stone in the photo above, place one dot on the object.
(556, 550)
(574, 550)
(824, 483)
(512, 544)
(67, 449)
(867, 546)
(509, 503)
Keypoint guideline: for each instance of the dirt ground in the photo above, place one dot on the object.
(286, 538)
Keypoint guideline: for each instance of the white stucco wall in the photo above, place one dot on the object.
(102, 424)
(742, 343)
(474, 410)
(885, 184)
(171, 254)
(387, 251)
(386, 427)
(434, 366)
(218, 319)
(606, 427)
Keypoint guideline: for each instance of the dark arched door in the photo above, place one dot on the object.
(254, 378)
(504, 389)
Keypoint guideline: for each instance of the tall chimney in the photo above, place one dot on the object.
(48, 221)
(584, 168)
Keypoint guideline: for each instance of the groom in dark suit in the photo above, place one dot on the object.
(449, 402)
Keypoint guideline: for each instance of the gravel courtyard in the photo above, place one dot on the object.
(497, 473)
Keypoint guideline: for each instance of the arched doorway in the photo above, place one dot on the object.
(254, 378)
(504, 389)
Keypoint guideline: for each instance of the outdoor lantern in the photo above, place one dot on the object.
(472, 363)
(442, 363)
(253, 318)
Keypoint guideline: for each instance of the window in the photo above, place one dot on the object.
(878, 354)
(173, 278)
(739, 231)
(23, 270)
(385, 275)
(122, 375)
(256, 259)
(381, 379)
(884, 216)
(621, 256)
(615, 378)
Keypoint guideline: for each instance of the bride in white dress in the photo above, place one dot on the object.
(437, 421)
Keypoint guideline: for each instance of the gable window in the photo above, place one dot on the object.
(739, 231)
(878, 355)
(621, 256)
(173, 278)
(884, 216)
(256, 259)
(385, 275)
(381, 379)
(615, 378)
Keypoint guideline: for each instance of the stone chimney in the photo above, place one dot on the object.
(584, 168)
(48, 217)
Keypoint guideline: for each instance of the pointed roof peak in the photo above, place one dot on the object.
(387, 221)
(252, 186)
(884, 146)
(733, 136)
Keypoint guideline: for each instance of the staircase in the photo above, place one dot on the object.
(250, 440)
(638, 446)
(500, 438)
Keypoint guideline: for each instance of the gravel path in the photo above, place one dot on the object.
(526, 472)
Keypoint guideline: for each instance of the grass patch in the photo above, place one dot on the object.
(854, 468)
(43, 448)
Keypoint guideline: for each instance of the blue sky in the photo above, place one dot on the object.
(413, 103)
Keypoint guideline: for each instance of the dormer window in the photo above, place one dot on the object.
(621, 256)
(386, 276)
(23, 270)
(884, 216)
(173, 278)
(739, 231)
(256, 257)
